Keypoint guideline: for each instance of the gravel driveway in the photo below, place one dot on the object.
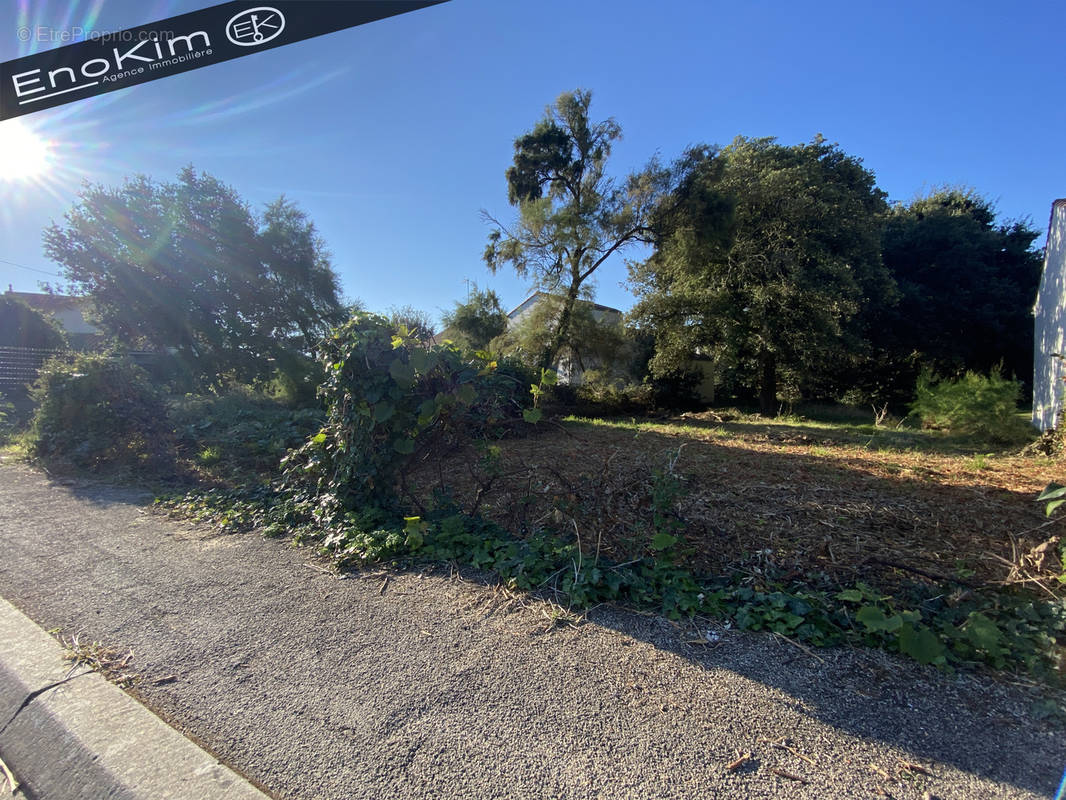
(429, 685)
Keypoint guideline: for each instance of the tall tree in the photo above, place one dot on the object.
(478, 321)
(571, 216)
(967, 286)
(763, 253)
(185, 265)
(300, 284)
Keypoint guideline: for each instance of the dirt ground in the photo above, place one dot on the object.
(849, 503)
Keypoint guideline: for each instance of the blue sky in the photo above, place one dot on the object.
(394, 135)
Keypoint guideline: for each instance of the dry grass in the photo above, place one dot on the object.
(847, 501)
(111, 663)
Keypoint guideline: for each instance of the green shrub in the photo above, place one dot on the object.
(296, 380)
(7, 411)
(974, 405)
(390, 402)
(600, 394)
(241, 431)
(97, 411)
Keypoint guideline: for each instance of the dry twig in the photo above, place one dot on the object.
(733, 766)
(802, 647)
(907, 766)
(792, 776)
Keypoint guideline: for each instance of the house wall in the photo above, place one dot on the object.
(72, 320)
(1049, 315)
(708, 372)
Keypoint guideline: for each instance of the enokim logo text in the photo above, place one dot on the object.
(212, 35)
(255, 26)
(152, 54)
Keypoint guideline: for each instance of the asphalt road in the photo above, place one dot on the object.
(431, 686)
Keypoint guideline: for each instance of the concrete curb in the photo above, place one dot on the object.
(69, 736)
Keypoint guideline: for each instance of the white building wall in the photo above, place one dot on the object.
(1049, 325)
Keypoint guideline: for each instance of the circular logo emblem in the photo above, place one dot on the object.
(255, 26)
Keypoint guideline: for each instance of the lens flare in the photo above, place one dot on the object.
(24, 154)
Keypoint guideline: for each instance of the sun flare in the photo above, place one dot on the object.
(24, 154)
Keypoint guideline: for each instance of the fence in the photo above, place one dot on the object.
(19, 365)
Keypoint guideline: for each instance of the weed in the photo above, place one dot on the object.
(109, 662)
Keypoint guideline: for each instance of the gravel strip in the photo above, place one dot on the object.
(429, 685)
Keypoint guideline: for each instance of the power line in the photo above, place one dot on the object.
(31, 269)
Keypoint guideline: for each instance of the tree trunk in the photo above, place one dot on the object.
(768, 384)
(562, 329)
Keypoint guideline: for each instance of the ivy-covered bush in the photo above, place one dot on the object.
(390, 402)
(973, 405)
(98, 411)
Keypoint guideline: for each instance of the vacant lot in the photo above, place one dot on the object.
(793, 497)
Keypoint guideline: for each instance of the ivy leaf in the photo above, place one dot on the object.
(982, 632)
(402, 373)
(419, 360)
(532, 415)
(662, 540)
(1053, 491)
(851, 596)
(404, 446)
(319, 438)
(383, 412)
(875, 620)
(466, 394)
(920, 644)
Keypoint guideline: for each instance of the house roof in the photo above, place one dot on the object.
(534, 298)
(49, 303)
(68, 311)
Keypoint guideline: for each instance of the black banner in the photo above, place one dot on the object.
(107, 62)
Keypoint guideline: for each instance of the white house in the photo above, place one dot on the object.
(569, 366)
(68, 312)
(1049, 344)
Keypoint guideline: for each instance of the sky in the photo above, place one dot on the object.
(394, 136)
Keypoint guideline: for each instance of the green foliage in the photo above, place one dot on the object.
(967, 284)
(99, 412)
(1054, 495)
(240, 434)
(973, 405)
(1001, 630)
(571, 216)
(22, 326)
(390, 402)
(7, 421)
(187, 266)
(599, 395)
(415, 323)
(475, 323)
(763, 253)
